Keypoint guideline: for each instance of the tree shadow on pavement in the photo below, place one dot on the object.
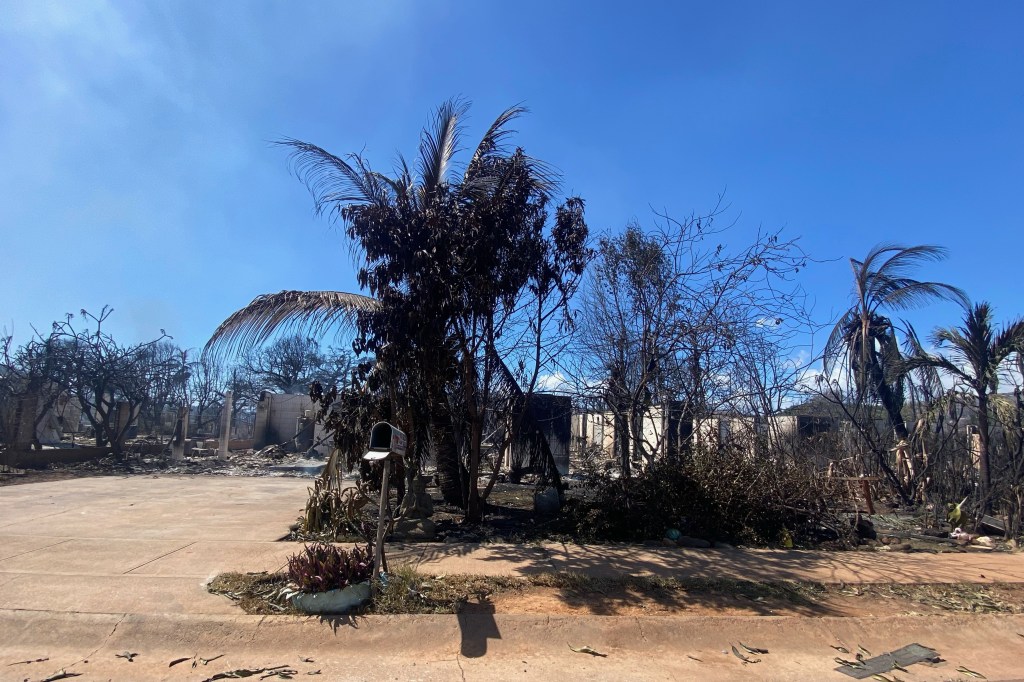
(746, 580)
(639, 596)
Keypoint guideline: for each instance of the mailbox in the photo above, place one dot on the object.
(385, 440)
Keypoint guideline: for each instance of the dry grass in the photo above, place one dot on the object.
(255, 593)
(410, 592)
(960, 598)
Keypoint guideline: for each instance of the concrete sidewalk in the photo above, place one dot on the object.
(495, 647)
(93, 567)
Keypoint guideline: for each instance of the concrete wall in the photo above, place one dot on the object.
(277, 422)
(39, 459)
(67, 414)
(793, 428)
(661, 425)
(593, 428)
(654, 428)
(722, 429)
(597, 428)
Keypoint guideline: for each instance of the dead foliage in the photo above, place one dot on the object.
(728, 494)
(255, 593)
(409, 592)
(960, 598)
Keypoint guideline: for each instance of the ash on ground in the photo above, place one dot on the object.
(269, 461)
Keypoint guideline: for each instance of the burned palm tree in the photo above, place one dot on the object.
(864, 339)
(445, 258)
(976, 352)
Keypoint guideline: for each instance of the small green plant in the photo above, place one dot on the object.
(321, 567)
(337, 516)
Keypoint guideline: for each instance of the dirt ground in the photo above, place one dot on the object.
(575, 594)
(808, 600)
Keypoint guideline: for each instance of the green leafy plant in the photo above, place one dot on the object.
(321, 567)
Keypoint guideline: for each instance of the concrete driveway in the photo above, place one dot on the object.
(94, 567)
(139, 545)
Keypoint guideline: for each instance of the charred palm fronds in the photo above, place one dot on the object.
(863, 344)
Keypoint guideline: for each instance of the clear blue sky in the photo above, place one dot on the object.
(135, 168)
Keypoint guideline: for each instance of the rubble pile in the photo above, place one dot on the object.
(922, 531)
(269, 461)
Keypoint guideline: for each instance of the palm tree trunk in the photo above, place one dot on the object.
(475, 422)
(891, 402)
(984, 470)
(474, 511)
(894, 411)
(450, 477)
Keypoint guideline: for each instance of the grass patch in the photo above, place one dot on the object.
(580, 582)
(410, 592)
(960, 598)
(255, 593)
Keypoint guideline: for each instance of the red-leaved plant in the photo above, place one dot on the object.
(321, 567)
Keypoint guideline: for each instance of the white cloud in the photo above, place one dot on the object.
(553, 383)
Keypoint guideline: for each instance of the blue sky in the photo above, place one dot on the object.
(136, 169)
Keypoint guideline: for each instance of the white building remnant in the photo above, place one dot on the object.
(287, 419)
(665, 432)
